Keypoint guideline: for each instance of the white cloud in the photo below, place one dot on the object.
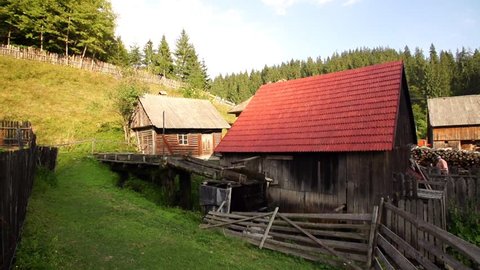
(350, 2)
(281, 6)
(223, 37)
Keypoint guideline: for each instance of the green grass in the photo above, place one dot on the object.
(79, 219)
(63, 104)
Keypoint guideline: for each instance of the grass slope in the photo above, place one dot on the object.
(86, 222)
(64, 104)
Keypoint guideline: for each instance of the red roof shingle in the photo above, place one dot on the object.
(353, 110)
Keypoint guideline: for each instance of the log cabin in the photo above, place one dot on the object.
(327, 142)
(177, 126)
(454, 122)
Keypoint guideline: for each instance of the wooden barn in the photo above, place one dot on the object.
(327, 141)
(177, 126)
(454, 122)
(238, 109)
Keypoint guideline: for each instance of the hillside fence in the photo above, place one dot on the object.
(18, 161)
(85, 63)
(454, 190)
(15, 133)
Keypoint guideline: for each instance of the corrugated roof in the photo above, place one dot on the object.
(353, 110)
(240, 107)
(182, 113)
(454, 111)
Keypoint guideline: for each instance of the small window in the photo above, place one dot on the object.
(182, 139)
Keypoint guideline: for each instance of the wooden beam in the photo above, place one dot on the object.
(268, 227)
(348, 262)
(203, 226)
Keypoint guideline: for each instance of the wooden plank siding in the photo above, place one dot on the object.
(456, 133)
(169, 144)
(316, 182)
(140, 118)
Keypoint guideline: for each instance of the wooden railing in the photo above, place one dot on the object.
(77, 61)
(406, 241)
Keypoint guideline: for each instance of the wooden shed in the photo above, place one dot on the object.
(238, 109)
(177, 126)
(454, 122)
(327, 141)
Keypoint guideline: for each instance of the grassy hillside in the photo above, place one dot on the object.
(79, 219)
(64, 104)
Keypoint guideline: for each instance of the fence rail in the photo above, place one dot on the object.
(84, 63)
(409, 241)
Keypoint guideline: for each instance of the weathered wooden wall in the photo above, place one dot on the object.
(456, 133)
(145, 141)
(169, 143)
(140, 118)
(324, 181)
(456, 137)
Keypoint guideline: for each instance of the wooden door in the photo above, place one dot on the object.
(207, 144)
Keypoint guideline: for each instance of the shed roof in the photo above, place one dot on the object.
(240, 107)
(182, 113)
(454, 111)
(353, 110)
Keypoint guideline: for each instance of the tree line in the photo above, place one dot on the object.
(87, 28)
(433, 75)
(62, 26)
(182, 64)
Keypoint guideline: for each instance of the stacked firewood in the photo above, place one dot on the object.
(458, 158)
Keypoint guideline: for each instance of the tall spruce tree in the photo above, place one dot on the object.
(187, 65)
(149, 56)
(163, 60)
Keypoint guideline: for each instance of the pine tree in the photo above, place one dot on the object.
(188, 67)
(183, 56)
(163, 59)
(148, 55)
(134, 56)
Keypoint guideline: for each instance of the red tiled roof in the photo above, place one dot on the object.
(353, 110)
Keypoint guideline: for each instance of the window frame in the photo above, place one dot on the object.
(182, 139)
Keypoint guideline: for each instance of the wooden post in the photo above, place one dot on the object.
(267, 230)
(185, 189)
(373, 231)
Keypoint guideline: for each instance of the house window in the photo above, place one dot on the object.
(182, 139)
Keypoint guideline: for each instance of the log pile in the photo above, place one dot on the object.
(457, 158)
(337, 239)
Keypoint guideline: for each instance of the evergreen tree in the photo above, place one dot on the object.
(183, 56)
(188, 67)
(148, 55)
(134, 56)
(118, 54)
(163, 59)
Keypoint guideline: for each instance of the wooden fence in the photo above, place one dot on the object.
(406, 241)
(17, 170)
(85, 63)
(458, 190)
(15, 134)
(391, 237)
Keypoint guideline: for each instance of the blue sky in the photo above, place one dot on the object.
(234, 35)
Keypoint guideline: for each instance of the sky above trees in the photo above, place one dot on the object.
(234, 36)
